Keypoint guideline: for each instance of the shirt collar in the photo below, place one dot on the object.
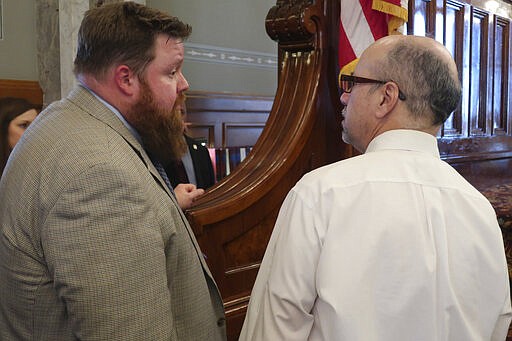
(405, 139)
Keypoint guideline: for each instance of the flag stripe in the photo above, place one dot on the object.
(364, 21)
(356, 26)
(346, 53)
(377, 21)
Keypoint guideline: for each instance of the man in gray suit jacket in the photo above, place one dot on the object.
(93, 245)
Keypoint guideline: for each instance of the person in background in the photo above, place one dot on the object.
(193, 173)
(393, 244)
(16, 114)
(93, 245)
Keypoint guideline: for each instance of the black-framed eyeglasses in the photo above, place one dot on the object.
(347, 82)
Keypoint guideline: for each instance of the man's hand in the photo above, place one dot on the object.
(186, 194)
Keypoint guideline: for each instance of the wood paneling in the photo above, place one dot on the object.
(502, 77)
(479, 87)
(456, 40)
(241, 134)
(227, 120)
(29, 90)
(480, 44)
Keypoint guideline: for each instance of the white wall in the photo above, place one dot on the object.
(229, 49)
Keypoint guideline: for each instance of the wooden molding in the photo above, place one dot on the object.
(29, 90)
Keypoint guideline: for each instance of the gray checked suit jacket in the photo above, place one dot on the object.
(93, 245)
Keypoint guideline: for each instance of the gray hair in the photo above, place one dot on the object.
(429, 84)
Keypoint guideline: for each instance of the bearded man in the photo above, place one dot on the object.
(93, 245)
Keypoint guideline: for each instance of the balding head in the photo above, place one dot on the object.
(424, 70)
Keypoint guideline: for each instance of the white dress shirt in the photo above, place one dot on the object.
(390, 245)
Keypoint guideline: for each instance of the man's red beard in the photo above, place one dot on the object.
(161, 130)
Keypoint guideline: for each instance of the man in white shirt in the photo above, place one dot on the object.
(393, 244)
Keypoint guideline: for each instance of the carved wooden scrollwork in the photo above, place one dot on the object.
(286, 24)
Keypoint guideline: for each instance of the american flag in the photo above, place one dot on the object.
(364, 21)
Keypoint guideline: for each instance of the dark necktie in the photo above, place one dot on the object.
(163, 174)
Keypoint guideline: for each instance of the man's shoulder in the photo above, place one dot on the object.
(68, 137)
(338, 170)
(341, 174)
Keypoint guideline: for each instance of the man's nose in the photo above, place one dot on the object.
(344, 98)
(183, 86)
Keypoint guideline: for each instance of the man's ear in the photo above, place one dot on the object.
(126, 80)
(388, 100)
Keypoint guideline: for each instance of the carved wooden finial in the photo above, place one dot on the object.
(294, 24)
